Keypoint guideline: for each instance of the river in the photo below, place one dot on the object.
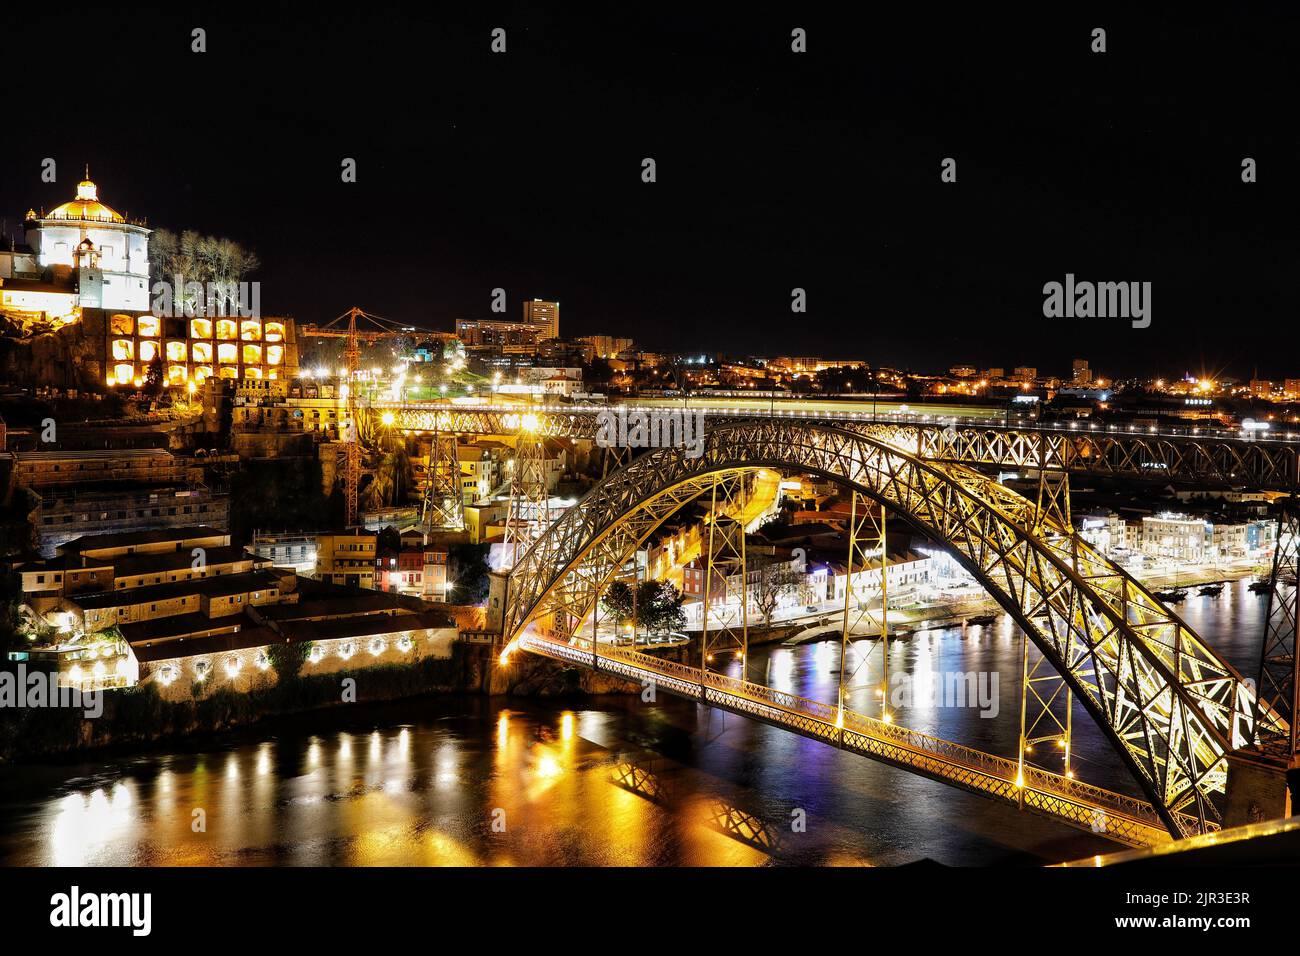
(476, 781)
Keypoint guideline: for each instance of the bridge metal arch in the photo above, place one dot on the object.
(1217, 456)
(1169, 705)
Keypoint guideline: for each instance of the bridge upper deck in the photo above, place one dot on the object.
(1221, 457)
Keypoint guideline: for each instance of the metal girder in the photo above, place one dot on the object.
(1221, 460)
(724, 621)
(442, 501)
(1279, 664)
(530, 512)
(1170, 705)
(866, 536)
(1121, 451)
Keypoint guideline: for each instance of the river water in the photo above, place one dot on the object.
(598, 781)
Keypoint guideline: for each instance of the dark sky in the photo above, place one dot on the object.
(775, 170)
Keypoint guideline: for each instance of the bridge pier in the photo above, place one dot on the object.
(1261, 786)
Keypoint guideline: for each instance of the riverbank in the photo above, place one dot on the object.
(905, 621)
(140, 716)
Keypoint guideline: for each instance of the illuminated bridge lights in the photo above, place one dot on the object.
(1170, 706)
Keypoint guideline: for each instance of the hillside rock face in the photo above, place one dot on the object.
(72, 357)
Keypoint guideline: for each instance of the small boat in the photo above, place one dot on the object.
(1211, 590)
(982, 619)
(1260, 587)
(1173, 596)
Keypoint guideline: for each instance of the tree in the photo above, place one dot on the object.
(153, 377)
(467, 564)
(388, 539)
(775, 579)
(655, 606)
(288, 658)
(618, 602)
(198, 258)
(663, 607)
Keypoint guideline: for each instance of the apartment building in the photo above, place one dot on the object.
(346, 559)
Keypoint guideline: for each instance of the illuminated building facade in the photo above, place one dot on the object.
(85, 263)
(80, 255)
(545, 314)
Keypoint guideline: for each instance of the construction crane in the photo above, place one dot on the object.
(352, 360)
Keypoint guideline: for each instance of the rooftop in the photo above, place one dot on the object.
(365, 626)
(211, 644)
(96, 454)
(86, 206)
(181, 626)
(159, 561)
(126, 539)
(222, 585)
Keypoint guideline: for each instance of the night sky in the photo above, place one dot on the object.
(775, 170)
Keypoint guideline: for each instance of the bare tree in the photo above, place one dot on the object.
(774, 580)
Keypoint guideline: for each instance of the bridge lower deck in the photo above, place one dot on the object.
(1124, 819)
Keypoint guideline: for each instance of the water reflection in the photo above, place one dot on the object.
(455, 782)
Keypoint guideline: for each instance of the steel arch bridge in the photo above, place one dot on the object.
(1169, 705)
(1194, 455)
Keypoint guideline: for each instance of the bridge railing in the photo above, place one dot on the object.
(690, 680)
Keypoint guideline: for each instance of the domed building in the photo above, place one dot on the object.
(105, 256)
(84, 273)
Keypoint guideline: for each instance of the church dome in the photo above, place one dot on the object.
(86, 206)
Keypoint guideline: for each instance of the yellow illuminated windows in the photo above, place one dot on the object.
(201, 351)
(227, 354)
(252, 354)
(123, 349)
(150, 326)
(148, 351)
(226, 329)
(124, 372)
(176, 375)
(250, 330)
(274, 354)
(176, 351)
(200, 328)
(202, 372)
(122, 325)
(275, 331)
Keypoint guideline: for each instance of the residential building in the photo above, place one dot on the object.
(346, 559)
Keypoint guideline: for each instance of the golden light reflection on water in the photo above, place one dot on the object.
(397, 797)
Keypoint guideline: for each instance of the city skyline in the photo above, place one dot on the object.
(485, 183)
(557, 442)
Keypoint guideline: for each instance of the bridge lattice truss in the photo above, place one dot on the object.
(1108, 450)
(1171, 707)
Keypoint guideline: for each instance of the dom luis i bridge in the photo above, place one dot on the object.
(1206, 746)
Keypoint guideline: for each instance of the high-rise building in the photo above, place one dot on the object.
(1026, 373)
(547, 314)
(1082, 374)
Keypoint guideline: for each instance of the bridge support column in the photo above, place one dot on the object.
(724, 567)
(1279, 663)
(442, 503)
(1257, 787)
(866, 532)
(529, 514)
